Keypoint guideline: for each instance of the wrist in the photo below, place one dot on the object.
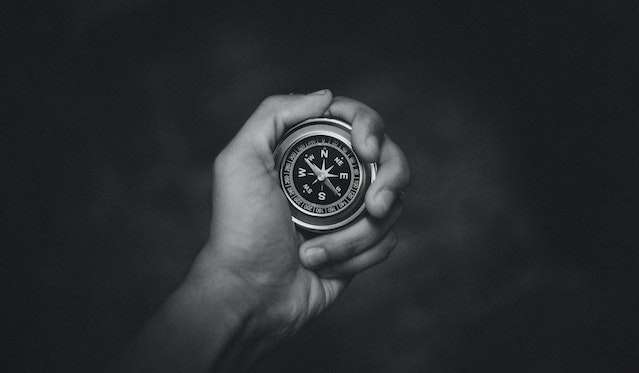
(242, 306)
(224, 312)
(262, 302)
(200, 326)
(220, 293)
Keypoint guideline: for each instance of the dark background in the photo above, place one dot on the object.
(518, 244)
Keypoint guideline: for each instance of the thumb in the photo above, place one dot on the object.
(278, 113)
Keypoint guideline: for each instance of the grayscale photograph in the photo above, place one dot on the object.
(289, 187)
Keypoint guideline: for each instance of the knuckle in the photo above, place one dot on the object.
(377, 120)
(350, 248)
(220, 161)
(276, 108)
(347, 249)
(271, 102)
(403, 172)
(370, 118)
(281, 115)
(224, 162)
(390, 245)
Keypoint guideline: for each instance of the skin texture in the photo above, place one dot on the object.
(257, 279)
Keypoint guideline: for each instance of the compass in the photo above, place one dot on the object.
(321, 176)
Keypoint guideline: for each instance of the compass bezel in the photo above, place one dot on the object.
(310, 134)
(341, 131)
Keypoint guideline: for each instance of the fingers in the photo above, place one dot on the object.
(375, 255)
(368, 126)
(345, 244)
(393, 172)
(393, 175)
(277, 113)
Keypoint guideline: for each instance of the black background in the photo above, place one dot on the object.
(518, 243)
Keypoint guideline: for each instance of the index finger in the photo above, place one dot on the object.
(278, 113)
(393, 175)
(368, 126)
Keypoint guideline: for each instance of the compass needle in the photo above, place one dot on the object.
(313, 207)
(332, 187)
(313, 167)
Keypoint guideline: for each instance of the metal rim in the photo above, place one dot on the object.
(342, 131)
(317, 132)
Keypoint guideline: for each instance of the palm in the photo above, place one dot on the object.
(247, 288)
(258, 235)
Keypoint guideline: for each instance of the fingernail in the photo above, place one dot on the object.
(314, 256)
(385, 198)
(320, 92)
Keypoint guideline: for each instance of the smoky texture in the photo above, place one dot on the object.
(517, 245)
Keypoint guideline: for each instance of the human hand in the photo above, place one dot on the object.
(257, 278)
(254, 246)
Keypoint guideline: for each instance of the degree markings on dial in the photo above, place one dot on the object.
(338, 164)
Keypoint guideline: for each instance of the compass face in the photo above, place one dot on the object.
(321, 175)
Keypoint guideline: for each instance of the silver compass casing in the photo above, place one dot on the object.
(342, 131)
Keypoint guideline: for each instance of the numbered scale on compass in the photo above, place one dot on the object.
(321, 176)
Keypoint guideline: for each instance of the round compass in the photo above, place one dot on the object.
(323, 179)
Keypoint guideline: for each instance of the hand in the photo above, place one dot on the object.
(255, 252)
(257, 279)
(252, 236)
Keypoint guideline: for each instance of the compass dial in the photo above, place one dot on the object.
(321, 175)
